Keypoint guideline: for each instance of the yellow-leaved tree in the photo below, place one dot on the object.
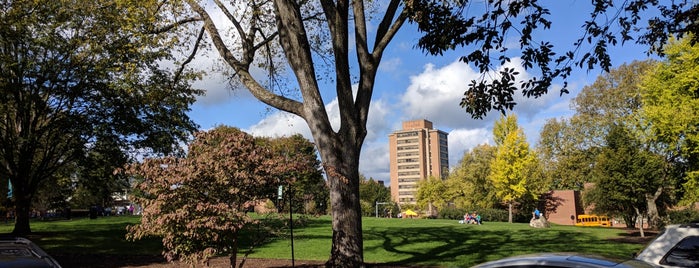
(513, 170)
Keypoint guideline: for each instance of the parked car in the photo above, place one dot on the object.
(17, 252)
(676, 246)
(561, 260)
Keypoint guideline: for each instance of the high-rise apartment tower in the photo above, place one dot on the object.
(416, 152)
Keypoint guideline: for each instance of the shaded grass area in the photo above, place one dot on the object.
(402, 242)
(446, 243)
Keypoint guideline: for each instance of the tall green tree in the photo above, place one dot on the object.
(468, 185)
(431, 194)
(564, 154)
(75, 72)
(513, 169)
(96, 181)
(671, 106)
(483, 29)
(568, 147)
(623, 175)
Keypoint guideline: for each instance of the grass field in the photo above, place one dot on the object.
(443, 243)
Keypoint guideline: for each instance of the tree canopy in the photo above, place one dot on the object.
(371, 192)
(670, 104)
(513, 170)
(468, 185)
(78, 74)
(616, 99)
(198, 203)
(623, 175)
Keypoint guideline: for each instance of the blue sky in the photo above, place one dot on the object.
(412, 85)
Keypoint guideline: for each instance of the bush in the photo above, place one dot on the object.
(681, 216)
(452, 213)
(493, 214)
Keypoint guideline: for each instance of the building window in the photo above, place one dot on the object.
(407, 141)
(407, 134)
(407, 160)
(409, 167)
(410, 147)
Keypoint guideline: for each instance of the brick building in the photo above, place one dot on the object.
(416, 152)
(563, 206)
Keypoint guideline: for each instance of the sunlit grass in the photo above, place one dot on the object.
(443, 243)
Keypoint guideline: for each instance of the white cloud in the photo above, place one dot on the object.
(435, 94)
(463, 140)
(280, 124)
(377, 125)
(374, 161)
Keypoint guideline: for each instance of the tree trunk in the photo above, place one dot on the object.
(640, 225)
(653, 215)
(342, 169)
(509, 212)
(22, 209)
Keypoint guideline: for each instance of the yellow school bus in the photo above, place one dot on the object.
(593, 220)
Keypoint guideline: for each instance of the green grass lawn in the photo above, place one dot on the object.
(442, 243)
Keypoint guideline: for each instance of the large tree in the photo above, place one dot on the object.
(513, 170)
(467, 184)
(431, 193)
(486, 29)
(198, 203)
(76, 72)
(568, 146)
(300, 36)
(564, 154)
(670, 104)
(623, 175)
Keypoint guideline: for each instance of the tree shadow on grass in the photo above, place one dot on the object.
(109, 248)
(470, 245)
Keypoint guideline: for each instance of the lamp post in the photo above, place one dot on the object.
(291, 215)
(291, 223)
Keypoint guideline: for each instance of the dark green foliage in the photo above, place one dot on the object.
(681, 216)
(623, 175)
(370, 192)
(309, 189)
(75, 75)
(452, 213)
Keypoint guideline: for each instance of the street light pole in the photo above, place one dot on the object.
(291, 224)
